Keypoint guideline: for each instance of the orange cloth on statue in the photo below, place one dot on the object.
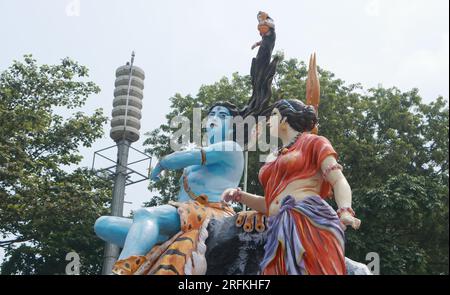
(193, 213)
(302, 160)
(323, 253)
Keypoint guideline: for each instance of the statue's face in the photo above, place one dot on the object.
(275, 122)
(218, 125)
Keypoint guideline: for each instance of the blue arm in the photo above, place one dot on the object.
(177, 160)
(182, 159)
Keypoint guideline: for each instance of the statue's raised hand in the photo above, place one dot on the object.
(155, 175)
(256, 45)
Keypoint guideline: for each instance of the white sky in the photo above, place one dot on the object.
(184, 44)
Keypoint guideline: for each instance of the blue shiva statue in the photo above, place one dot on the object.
(207, 172)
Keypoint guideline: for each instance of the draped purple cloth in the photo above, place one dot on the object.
(282, 229)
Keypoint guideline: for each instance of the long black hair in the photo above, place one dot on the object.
(299, 116)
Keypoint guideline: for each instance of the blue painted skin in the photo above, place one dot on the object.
(223, 169)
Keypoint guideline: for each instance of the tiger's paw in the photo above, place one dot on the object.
(251, 220)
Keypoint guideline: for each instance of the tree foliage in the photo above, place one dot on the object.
(46, 211)
(394, 149)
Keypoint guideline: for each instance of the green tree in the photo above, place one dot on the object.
(45, 211)
(394, 149)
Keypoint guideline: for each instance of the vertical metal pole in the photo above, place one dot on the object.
(112, 251)
(244, 207)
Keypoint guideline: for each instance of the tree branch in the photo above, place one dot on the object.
(9, 242)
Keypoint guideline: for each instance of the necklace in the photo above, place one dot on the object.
(285, 148)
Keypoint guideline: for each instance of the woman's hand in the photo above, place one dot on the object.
(348, 220)
(232, 195)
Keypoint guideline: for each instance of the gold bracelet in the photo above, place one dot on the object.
(202, 151)
(345, 209)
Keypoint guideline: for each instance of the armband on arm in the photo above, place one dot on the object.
(330, 168)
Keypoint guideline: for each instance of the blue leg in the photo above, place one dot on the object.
(150, 226)
(113, 229)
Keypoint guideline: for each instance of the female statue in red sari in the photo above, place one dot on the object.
(305, 235)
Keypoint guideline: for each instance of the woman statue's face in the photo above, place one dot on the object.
(275, 122)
